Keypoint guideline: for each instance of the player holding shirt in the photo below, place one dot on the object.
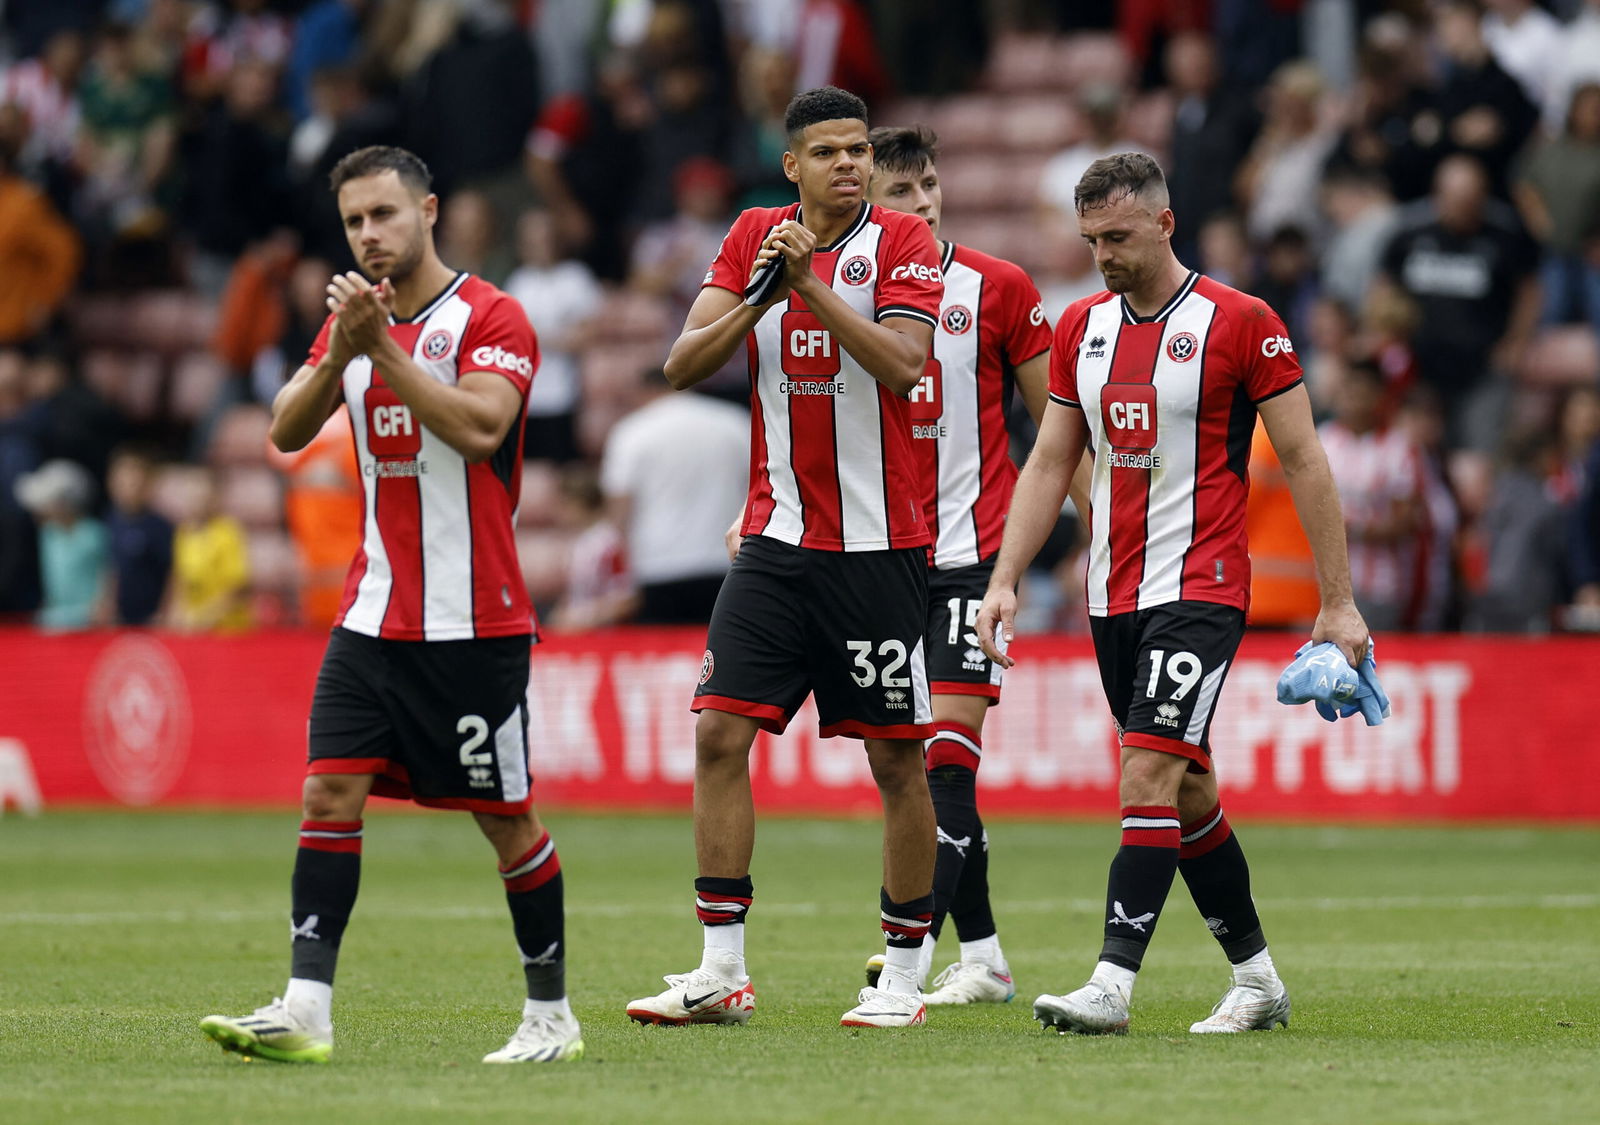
(828, 592)
(1162, 377)
(992, 329)
(422, 690)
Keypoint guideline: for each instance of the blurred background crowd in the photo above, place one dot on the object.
(1416, 190)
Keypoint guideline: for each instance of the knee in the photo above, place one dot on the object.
(722, 740)
(897, 766)
(1150, 777)
(332, 797)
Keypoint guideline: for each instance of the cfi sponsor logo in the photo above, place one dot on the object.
(438, 344)
(917, 271)
(857, 271)
(1277, 345)
(137, 719)
(1182, 347)
(957, 319)
(708, 665)
(497, 356)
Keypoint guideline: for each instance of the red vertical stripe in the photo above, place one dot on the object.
(903, 492)
(1133, 362)
(813, 442)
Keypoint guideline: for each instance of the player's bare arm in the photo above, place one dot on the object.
(1293, 434)
(1035, 506)
(894, 352)
(717, 324)
(471, 417)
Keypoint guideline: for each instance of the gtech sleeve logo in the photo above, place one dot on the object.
(1277, 345)
(916, 271)
(496, 356)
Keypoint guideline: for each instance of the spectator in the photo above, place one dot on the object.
(322, 507)
(1283, 575)
(1224, 250)
(1577, 429)
(1478, 109)
(1575, 62)
(1525, 533)
(599, 591)
(45, 90)
(1287, 280)
(67, 418)
(39, 257)
(1328, 344)
(1380, 488)
(675, 535)
(126, 146)
(1434, 594)
(1388, 325)
(687, 123)
(561, 297)
(1558, 193)
(327, 34)
(834, 45)
(347, 115)
(1524, 38)
(471, 104)
(1466, 262)
(1212, 128)
(251, 320)
(1362, 217)
(1391, 127)
(1583, 547)
(210, 563)
(1101, 104)
(670, 257)
(140, 542)
(766, 78)
(1277, 183)
(236, 187)
(19, 455)
(220, 40)
(72, 543)
(468, 239)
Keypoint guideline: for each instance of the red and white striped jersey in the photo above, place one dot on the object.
(438, 557)
(1170, 402)
(991, 320)
(1376, 472)
(831, 465)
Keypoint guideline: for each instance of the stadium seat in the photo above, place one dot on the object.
(1566, 355)
(1149, 120)
(240, 436)
(169, 492)
(1030, 62)
(102, 321)
(132, 382)
(253, 495)
(612, 370)
(172, 320)
(197, 376)
(1038, 123)
(967, 123)
(1093, 56)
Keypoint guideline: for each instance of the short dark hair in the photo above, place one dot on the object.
(825, 103)
(903, 148)
(1119, 175)
(375, 159)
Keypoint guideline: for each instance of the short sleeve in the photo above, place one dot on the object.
(499, 339)
(911, 283)
(730, 269)
(319, 346)
(1265, 354)
(1064, 356)
(1026, 330)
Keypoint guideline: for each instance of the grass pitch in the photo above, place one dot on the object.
(1438, 975)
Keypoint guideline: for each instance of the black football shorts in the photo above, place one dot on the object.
(957, 664)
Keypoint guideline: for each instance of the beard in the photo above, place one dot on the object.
(1119, 281)
(403, 264)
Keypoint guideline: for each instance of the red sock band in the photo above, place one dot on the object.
(331, 835)
(1203, 835)
(533, 870)
(1150, 826)
(954, 744)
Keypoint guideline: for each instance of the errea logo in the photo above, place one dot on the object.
(1277, 345)
(497, 356)
(916, 270)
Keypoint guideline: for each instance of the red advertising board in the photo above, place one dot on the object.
(1483, 728)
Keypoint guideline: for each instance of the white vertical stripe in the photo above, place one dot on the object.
(1169, 523)
(785, 522)
(858, 417)
(372, 593)
(511, 756)
(922, 711)
(1105, 319)
(446, 512)
(960, 460)
(1203, 703)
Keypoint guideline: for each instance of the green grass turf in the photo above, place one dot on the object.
(1438, 975)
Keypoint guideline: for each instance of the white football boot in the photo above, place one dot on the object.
(1253, 1004)
(543, 1038)
(271, 1032)
(972, 982)
(1091, 1010)
(880, 1008)
(698, 997)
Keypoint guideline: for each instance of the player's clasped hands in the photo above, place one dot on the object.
(999, 611)
(362, 311)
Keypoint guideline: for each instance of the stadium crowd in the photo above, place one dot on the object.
(1417, 192)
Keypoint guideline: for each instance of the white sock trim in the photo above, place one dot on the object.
(551, 1009)
(1115, 977)
(310, 1000)
(985, 951)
